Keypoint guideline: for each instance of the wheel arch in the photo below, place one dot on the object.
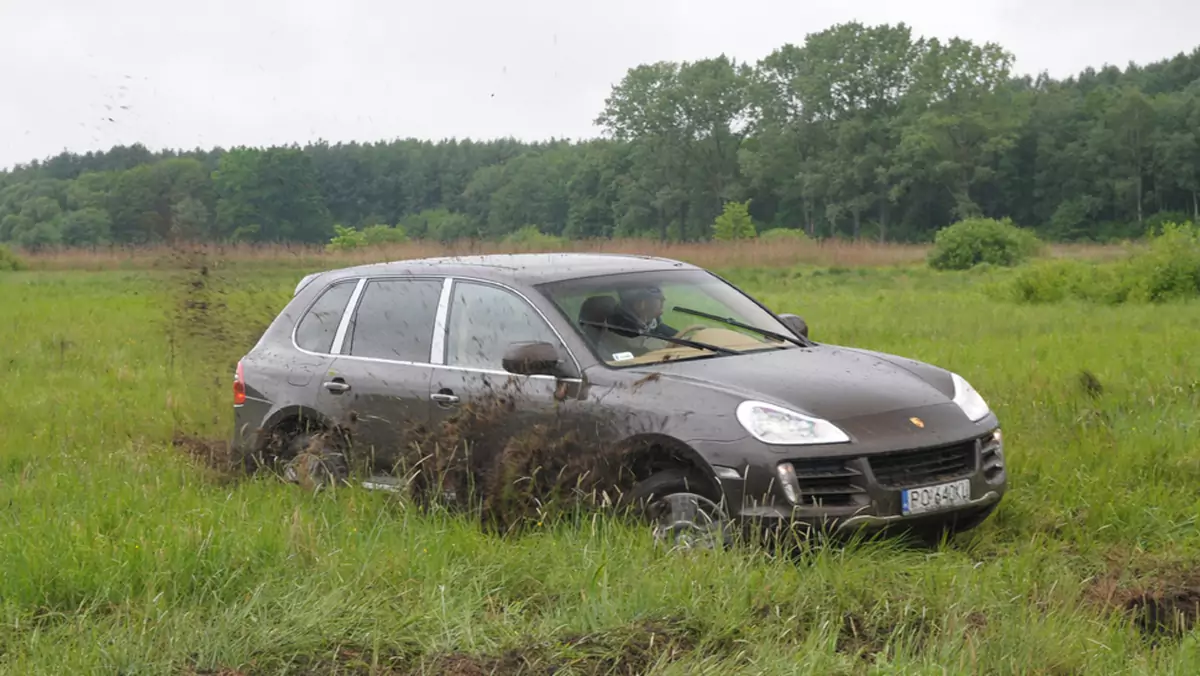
(293, 417)
(642, 455)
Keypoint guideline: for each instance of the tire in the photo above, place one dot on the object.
(683, 509)
(314, 460)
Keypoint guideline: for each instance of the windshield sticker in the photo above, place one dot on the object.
(622, 356)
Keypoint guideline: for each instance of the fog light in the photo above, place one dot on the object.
(993, 457)
(791, 486)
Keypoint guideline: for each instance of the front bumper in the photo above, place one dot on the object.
(849, 491)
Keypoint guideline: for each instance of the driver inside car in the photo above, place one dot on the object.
(640, 311)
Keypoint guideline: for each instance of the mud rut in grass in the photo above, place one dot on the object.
(622, 651)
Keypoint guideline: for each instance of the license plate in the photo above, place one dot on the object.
(935, 498)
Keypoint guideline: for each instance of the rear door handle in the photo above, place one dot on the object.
(337, 386)
(444, 398)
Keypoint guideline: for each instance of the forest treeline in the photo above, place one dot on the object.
(861, 131)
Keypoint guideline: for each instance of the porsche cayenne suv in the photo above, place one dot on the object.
(737, 415)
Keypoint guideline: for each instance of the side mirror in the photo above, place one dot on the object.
(796, 324)
(533, 359)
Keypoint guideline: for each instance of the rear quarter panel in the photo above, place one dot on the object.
(280, 379)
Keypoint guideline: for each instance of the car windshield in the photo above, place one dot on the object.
(652, 317)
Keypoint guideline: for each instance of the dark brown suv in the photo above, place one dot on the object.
(719, 409)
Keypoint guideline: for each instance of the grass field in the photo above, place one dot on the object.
(123, 552)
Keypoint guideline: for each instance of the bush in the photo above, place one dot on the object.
(1168, 269)
(783, 234)
(531, 236)
(452, 227)
(346, 239)
(734, 222)
(968, 243)
(384, 234)
(9, 260)
(1155, 223)
(1057, 280)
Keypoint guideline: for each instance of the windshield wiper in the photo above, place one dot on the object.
(695, 344)
(742, 325)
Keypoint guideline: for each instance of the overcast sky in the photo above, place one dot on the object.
(89, 74)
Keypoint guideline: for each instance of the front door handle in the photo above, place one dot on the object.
(445, 398)
(337, 386)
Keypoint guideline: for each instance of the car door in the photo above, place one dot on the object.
(483, 320)
(379, 382)
(313, 336)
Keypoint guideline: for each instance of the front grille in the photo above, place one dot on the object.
(908, 468)
(827, 482)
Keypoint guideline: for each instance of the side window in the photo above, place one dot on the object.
(317, 328)
(394, 320)
(484, 320)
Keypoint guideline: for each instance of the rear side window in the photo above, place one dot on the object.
(317, 328)
(394, 320)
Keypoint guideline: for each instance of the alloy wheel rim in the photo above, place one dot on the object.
(686, 521)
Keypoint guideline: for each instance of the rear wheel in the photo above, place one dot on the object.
(683, 509)
(315, 460)
(305, 454)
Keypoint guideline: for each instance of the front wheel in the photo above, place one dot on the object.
(683, 509)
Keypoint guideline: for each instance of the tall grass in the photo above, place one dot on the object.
(733, 254)
(121, 554)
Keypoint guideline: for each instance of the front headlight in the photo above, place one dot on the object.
(771, 424)
(968, 399)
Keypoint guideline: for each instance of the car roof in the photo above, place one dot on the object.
(530, 268)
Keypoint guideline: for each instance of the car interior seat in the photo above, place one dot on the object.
(595, 309)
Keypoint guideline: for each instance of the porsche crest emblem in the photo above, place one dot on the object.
(917, 421)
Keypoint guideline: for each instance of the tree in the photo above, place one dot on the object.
(270, 195)
(1176, 148)
(1124, 135)
(687, 121)
(86, 227)
(533, 189)
(734, 222)
(959, 119)
(593, 189)
(189, 220)
(13, 225)
(41, 209)
(136, 206)
(89, 191)
(829, 108)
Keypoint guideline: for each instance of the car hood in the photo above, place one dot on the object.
(830, 382)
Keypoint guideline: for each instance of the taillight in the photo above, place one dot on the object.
(239, 387)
